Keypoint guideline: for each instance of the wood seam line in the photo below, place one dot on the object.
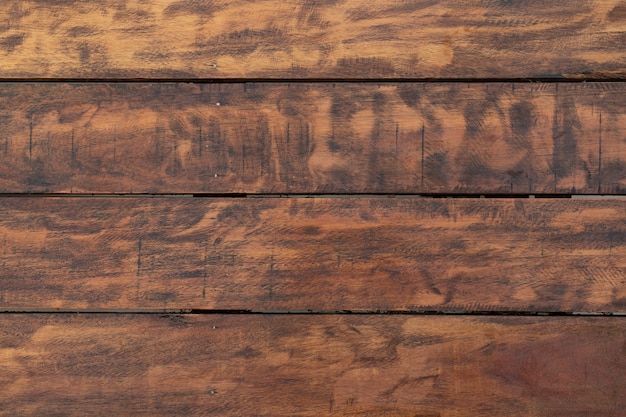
(312, 80)
(499, 313)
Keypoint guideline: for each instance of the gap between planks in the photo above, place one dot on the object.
(310, 195)
(512, 313)
(351, 80)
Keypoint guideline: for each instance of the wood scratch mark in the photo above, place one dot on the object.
(332, 136)
(600, 152)
(72, 151)
(406, 380)
(397, 132)
(206, 259)
(200, 141)
(423, 136)
(30, 140)
(139, 243)
(271, 283)
(157, 143)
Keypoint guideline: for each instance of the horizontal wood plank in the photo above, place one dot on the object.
(384, 366)
(313, 138)
(311, 38)
(313, 253)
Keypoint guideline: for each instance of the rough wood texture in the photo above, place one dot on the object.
(313, 137)
(312, 38)
(319, 254)
(383, 366)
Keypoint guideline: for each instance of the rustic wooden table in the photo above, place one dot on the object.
(397, 208)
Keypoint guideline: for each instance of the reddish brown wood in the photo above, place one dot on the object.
(313, 138)
(267, 365)
(319, 254)
(324, 133)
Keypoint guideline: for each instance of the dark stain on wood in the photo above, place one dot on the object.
(9, 43)
(305, 39)
(392, 261)
(319, 254)
(307, 138)
(335, 366)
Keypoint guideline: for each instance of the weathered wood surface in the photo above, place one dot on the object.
(313, 138)
(389, 366)
(311, 38)
(317, 253)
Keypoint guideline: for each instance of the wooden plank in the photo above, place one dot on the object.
(313, 38)
(316, 253)
(389, 366)
(522, 138)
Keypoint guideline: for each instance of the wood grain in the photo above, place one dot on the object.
(331, 254)
(504, 138)
(389, 366)
(311, 38)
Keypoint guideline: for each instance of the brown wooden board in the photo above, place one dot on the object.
(328, 254)
(311, 38)
(504, 138)
(387, 366)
